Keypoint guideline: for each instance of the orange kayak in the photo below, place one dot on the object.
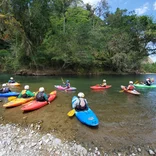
(14, 84)
(17, 102)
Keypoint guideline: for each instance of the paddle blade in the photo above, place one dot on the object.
(121, 91)
(11, 98)
(71, 113)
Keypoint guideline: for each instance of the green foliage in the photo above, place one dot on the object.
(149, 68)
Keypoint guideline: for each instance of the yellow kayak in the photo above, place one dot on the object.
(17, 102)
(13, 84)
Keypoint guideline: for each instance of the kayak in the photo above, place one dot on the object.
(17, 102)
(144, 86)
(9, 94)
(33, 105)
(130, 91)
(59, 87)
(87, 117)
(13, 84)
(97, 87)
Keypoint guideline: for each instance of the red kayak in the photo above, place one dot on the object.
(98, 87)
(130, 91)
(33, 105)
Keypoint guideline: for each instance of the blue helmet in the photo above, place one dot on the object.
(67, 81)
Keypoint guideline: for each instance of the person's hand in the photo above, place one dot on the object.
(48, 102)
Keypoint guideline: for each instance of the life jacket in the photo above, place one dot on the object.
(11, 81)
(131, 87)
(82, 104)
(6, 90)
(68, 85)
(24, 94)
(40, 96)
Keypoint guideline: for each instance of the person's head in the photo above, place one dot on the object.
(81, 95)
(26, 87)
(41, 89)
(104, 80)
(67, 81)
(4, 85)
(11, 78)
(130, 82)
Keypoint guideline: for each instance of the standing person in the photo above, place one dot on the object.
(104, 84)
(5, 89)
(82, 104)
(41, 95)
(130, 86)
(26, 93)
(11, 80)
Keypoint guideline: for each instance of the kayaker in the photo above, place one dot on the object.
(104, 84)
(26, 93)
(67, 84)
(41, 95)
(5, 89)
(130, 86)
(11, 80)
(82, 104)
(148, 82)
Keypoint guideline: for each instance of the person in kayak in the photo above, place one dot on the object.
(26, 93)
(41, 95)
(148, 82)
(67, 84)
(5, 89)
(11, 80)
(104, 84)
(82, 104)
(130, 86)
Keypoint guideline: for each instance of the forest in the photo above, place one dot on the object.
(70, 35)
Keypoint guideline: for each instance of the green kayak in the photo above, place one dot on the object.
(144, 86)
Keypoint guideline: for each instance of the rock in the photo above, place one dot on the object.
(151, 152)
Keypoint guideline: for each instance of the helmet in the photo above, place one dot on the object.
(4, 85)
(11, 78)
(130, 82)
(147, 79)
(104, 80)
(26, 87)
(67, 81)
(81, 95)
(41, 89)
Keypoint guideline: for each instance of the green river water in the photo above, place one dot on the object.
(124, 119)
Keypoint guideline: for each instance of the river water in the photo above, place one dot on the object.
(125, 119)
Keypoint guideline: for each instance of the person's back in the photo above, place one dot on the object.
(82, 104)
(5, 89)
(26, 93)
(41, 95)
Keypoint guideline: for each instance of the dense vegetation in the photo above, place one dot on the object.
(68, 34)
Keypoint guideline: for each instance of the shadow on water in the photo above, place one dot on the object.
(124, 119)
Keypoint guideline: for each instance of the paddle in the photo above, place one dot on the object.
(71, 113)
(11, 98)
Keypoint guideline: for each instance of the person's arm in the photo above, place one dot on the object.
(19, 96)
(46, 98)
(29, 93)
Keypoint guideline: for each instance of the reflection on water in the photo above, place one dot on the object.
(125, 119)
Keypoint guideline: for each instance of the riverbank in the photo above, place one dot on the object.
(30, 141)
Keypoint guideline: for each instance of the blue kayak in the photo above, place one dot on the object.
(87, 117)
(9, 94)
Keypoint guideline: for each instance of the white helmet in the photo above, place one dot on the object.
(11, 78)
(104, 80)
(130, 82)
(41, 89)
(4, 85)
(81, 95)
(26, 87)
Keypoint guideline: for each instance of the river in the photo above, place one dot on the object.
(125, 119)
